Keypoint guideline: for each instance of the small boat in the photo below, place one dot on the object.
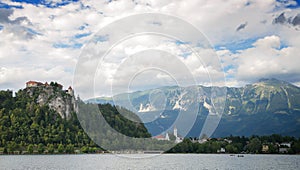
(240, 155)
(231, 155)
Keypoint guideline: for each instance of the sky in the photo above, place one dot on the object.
(46, 40)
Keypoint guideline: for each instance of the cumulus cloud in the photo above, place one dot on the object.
(267, 59)
(38, 41)
(147, 61)
(20, 26)
(6, 13)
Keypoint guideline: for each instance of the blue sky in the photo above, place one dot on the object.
(43, 39)
(293, 6)
(47, 3)
(51, 4)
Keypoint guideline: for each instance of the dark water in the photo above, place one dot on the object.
(167, 161)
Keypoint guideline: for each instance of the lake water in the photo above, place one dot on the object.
(165, 161)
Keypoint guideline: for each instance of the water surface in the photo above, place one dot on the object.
(165, 161)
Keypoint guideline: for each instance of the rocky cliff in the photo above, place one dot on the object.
(62, 101)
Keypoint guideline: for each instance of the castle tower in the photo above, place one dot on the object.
(70, 91)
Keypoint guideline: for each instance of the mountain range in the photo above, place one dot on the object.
(266, 107)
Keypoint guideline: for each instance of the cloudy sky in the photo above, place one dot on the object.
(46, 40)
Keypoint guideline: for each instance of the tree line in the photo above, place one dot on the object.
(235, 144)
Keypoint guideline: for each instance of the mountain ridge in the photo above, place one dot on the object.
(267, 100)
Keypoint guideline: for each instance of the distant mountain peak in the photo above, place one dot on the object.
(265, 107)
(272, 82)
(268, 80)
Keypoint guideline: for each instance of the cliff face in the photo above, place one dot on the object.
(62, 101)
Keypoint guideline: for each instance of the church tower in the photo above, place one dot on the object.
(167, 137)
(175, 132)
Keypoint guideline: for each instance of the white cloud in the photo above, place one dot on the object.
(218, 20)
(268, 42)
(146, 58)
(266, 59)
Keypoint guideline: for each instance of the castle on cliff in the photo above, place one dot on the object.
(53, 95)
(40, 84)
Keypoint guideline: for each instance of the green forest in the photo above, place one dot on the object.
(27, 127)
(273, 144)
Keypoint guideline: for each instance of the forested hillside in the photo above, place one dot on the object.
(27, 126)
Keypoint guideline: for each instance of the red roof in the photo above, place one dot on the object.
(34, 82)
(159, 137)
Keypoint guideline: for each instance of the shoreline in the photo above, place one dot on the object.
(108, 153)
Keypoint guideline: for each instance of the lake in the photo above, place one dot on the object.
(165, 161)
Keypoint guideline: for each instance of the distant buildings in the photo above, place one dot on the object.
(222, 150)
(283, 150)
(178, 139)
(162, 137)
(284, 147)
(265, 148)
(202, 140)
(286, 144)
(280, 147)
(38, 84)
(166, 137)
(33, 84)
(70, 91)
(228, 141)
